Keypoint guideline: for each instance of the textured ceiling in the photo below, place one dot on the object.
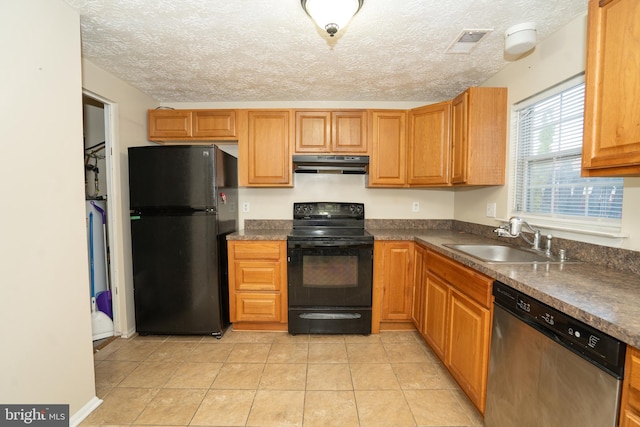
(269, 50)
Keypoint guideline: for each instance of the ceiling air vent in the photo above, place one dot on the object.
(466, 41)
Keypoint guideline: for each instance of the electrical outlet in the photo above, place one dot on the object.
(415, 207)
(245, 207)
(491, 210)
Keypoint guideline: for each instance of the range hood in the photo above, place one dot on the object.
(355, 165)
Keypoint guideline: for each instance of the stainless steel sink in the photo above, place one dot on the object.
(503, 253)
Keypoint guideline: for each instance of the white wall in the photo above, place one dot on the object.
(130, 121)
(380, 203)
(45, 316)
(559, 57)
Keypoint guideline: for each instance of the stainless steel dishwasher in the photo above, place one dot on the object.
(547, 369)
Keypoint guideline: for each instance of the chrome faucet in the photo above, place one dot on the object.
(514, 229)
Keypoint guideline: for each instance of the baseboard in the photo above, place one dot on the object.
(260, 326)
(397, 326)
(84, 412)
(128, 334)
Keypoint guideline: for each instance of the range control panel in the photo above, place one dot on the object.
(325, 210)
(593, 345)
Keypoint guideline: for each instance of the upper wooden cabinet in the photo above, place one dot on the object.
(191, 125)
(452, 143)
(387, 164)
(326, 131)
(429, 146)
(479, 136)
(423, 160)
(612, 103)
(264, 156)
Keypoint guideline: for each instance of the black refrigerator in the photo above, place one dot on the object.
(183, 202)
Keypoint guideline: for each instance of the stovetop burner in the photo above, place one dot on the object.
(329, 221)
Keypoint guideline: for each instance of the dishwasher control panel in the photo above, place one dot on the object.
(592, 344)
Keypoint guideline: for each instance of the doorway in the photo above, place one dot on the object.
(98, 169)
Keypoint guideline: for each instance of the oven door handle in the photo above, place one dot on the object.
(316, 245)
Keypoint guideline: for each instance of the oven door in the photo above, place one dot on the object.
(330, 274)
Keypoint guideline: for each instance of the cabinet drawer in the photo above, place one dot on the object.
(471, 283)
(257, 276)
(257, 250)
(258, 307)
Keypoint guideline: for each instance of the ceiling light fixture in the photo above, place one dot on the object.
(331, 15)
(520, 38)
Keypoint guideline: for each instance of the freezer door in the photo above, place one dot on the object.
(178, 274)
(172, 177)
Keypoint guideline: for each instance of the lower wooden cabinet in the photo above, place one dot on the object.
(419, 285)
(467, 352)
(457, 322)
(629, 419)
(435, 317)
(393, 274)
(257, 283)
(630, 406)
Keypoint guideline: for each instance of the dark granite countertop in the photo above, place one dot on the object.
(260, 234)
(605, 298)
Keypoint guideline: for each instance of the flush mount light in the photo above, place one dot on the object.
(520, 38)
(331, 15)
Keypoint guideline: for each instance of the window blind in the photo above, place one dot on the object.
(548, 164)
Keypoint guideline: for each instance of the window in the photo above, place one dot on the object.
(548, 161)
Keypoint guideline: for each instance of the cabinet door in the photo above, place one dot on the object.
(166, 124)
(387, 165)
(629, 419)
(479, 136)
(630, 399)
(467, 351)
(349, 132)
(435, 318)
(459, 138)
(417, 310)
(313, 131)
(428, 156)
(612, 102)
(398, 281)
(263, 149)
(214, 124)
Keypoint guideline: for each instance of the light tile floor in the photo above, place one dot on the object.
(276, 379)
